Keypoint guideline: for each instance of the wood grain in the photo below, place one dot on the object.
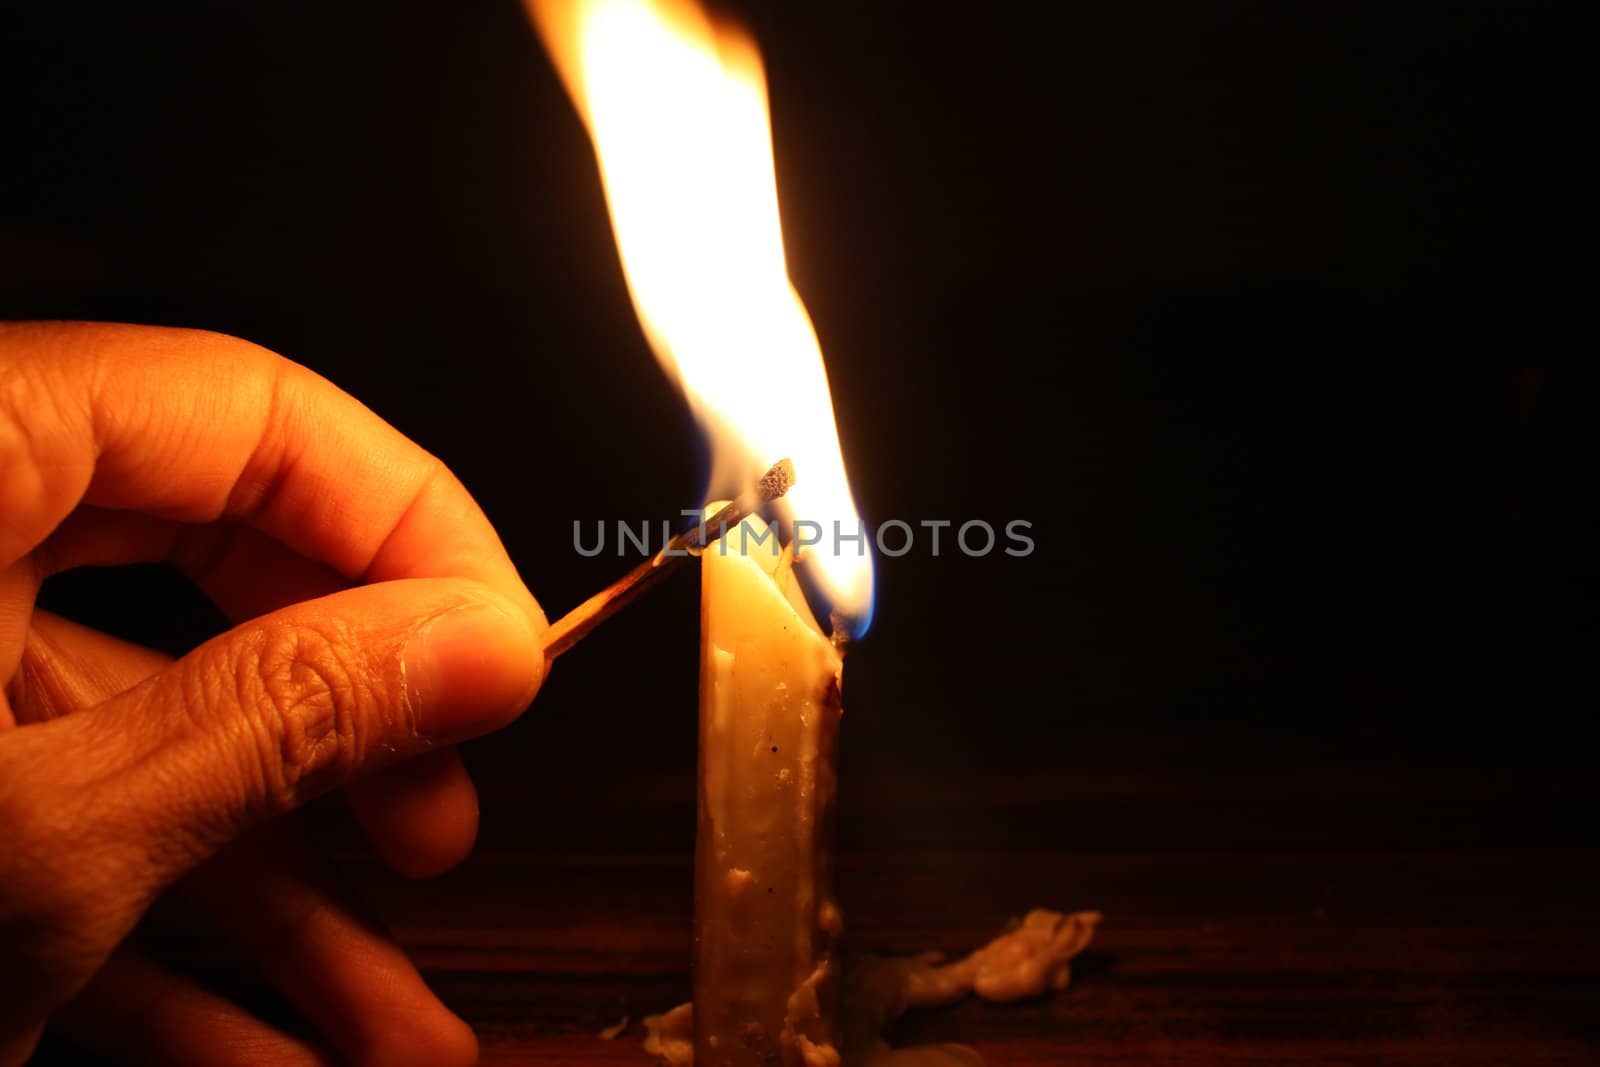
(1390, 916)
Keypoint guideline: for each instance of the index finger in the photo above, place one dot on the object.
(198, 427)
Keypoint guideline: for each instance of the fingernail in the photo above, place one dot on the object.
(470, 670)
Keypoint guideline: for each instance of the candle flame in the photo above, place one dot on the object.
(676, 105)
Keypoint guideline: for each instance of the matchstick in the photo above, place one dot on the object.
(576, 624)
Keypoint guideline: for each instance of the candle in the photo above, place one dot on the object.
(765, 978)
(675, 102)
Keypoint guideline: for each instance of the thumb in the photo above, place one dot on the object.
(261, 719)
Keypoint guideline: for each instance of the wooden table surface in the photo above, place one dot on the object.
(1402, 916)
(1252, 915)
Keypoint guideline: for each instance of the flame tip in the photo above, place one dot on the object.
(675, 101)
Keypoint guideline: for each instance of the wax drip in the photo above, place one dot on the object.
(1031, 957)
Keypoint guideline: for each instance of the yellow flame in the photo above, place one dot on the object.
(676, 106)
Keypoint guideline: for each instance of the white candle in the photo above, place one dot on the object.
(675, 102)
(765, 976)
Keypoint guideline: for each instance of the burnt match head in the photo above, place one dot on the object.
(777, 481)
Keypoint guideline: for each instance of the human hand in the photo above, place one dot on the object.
(377, 619)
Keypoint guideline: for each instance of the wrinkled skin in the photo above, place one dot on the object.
(377, 621)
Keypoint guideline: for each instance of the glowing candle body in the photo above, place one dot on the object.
(675, 102)
(765, 917)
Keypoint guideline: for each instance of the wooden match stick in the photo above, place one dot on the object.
(575, 625)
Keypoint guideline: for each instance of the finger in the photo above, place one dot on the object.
(192, 426)
(249, 726)
(197, 427)
(18, 587)
(242, 571)
(421, 816)
(271, 895)
(136, 1011)
(269, 892)
(246, 574)
(66, 667)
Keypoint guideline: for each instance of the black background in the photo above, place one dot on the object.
(1274, 320)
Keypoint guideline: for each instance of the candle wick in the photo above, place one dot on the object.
(578, 623)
